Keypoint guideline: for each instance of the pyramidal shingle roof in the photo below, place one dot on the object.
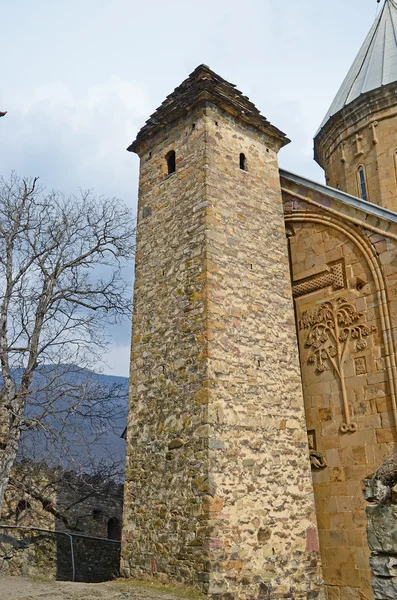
(205, 85)
(375, 64)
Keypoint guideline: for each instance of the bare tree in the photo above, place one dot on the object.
(61, 282)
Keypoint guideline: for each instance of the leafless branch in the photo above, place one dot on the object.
(62, 267)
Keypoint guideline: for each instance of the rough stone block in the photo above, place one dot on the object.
(382, 528)
(384, 588)
(375, 491)
(384, 566)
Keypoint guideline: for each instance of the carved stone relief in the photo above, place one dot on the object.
(332, 330)
(360, 365)
(332, 276)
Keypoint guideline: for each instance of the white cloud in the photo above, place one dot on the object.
(78, 90)
(80, 139)
(117, 361)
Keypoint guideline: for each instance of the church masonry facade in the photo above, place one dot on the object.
(347, 339)
(263, 375)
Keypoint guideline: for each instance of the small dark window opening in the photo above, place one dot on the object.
(243, 162)
(360, 284)
(171, 162)
(20, 508)
(362, 184)
(96, 513)
(114, 529)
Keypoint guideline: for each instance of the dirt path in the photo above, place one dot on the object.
(22, 588)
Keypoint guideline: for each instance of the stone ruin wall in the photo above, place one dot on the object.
(218, 488)
(48, 555)
(86, 505)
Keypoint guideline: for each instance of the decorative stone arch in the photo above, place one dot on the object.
(365, 247)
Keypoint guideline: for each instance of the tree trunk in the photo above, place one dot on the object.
(7, 459)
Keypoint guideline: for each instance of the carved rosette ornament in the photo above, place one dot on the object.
(331, 330)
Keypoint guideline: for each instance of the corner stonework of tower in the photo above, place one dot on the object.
(218, 483)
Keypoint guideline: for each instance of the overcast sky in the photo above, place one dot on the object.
(80, 77)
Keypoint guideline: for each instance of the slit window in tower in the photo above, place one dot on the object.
(243, 162)
(171, 162)
(361, 183)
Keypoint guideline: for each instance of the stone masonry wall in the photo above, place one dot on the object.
(218, 487)
(381, 495)
(349, 456)
(50, 499)
(265, 536)
(167, 469)
(344, 273)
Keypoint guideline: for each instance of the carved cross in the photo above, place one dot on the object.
(374, 125)
(359, 139)
(342, 150)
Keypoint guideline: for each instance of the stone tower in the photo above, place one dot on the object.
(357, 141)
(218, 484)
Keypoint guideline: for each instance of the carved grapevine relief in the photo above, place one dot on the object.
(332, 329)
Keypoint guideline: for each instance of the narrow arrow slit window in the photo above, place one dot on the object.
(171, 162)
(362, 186)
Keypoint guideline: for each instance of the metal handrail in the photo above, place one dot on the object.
(69, 535)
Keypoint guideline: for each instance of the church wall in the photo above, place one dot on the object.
(321, 243)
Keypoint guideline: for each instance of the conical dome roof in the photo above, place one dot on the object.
(375, 64)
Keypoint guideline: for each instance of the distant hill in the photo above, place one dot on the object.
(82, 416)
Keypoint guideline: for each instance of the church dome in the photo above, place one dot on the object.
(376, 63)
(356, 144)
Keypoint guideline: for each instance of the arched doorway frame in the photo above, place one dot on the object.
(365, 247)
